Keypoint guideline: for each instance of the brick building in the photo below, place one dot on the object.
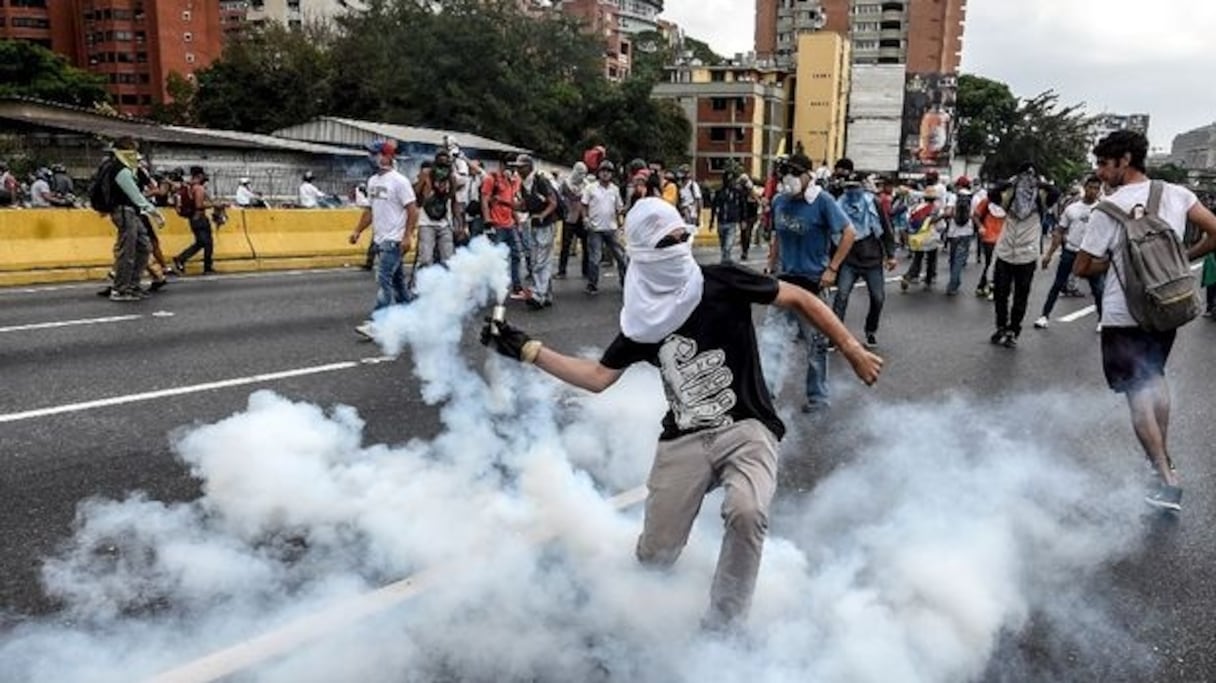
(133, 44)
(602, 18)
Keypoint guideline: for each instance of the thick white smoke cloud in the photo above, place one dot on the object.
(910, 562)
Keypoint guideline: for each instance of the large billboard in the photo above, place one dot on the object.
(928, 122)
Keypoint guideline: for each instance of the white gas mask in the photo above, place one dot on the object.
(791, 185)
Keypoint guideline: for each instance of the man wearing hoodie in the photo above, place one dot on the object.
(694, 324)
(1026, 199)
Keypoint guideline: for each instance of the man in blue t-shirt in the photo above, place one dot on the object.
(812, 238)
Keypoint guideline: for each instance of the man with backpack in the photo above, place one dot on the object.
(873, 247)
(439, 220)
(541, 205)
(192, 204)
(959, 233)
(1137, 233)
(115, 191)
(498, 193)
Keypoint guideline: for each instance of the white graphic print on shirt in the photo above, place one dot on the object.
(697, 384)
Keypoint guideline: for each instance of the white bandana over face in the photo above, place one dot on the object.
(662, 286)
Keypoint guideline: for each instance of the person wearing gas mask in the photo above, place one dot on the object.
(694, 323)
(807, 223)
(1025, 198)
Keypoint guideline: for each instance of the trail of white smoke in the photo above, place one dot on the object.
(908, 563)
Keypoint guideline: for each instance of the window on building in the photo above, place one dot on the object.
(122, 15)
(128, 99)
(717, 134)
(717, 76)
(30, 22)
(27, 3)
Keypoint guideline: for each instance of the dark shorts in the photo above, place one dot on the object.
(1132, 356)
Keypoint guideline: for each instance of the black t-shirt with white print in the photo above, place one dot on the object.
(711, 365)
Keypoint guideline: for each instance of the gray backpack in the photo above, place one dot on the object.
(1157, 282)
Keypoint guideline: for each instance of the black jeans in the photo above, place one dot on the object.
(572, 230)
(986, 250)
(201, 227)
(929, 258)
(1018, 278)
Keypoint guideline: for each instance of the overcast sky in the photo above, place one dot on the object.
(1122, 56)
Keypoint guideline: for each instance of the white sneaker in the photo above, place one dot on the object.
(1041, 323)
(367, 330)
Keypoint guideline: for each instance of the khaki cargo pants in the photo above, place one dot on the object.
(740, 457)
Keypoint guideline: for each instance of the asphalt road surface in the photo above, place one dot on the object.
(68, 357)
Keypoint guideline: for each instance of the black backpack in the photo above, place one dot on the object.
(102, 186)
(436, 205)
(962, 209)
(537, 199)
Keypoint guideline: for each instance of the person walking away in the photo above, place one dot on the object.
(1136, 340)
(116, 191)
(924, 239)
(604, 206)
(873, 248)
(540, 203)
(192, 204)
(807, 222)
(729, 205)
(694, 323)
(1068, 237)
(959, 232)
(574, 227)
(751, 213)
(1026, 199)
(393, 217)
(991, 219)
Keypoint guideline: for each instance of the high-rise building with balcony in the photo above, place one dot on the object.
(602, 19)
(926, 35)
(133, 44)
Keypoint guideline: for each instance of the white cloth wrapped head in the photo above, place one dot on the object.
(662, 284)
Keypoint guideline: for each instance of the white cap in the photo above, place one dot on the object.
(245, 181)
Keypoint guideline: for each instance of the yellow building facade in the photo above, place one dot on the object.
(821, 95)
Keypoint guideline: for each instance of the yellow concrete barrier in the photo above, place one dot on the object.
(64, 245)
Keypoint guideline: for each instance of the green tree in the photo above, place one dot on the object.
(1170, 173)
(985, 109)
(29, 70)
(1052, 136)
(269, 77)
(178, 108)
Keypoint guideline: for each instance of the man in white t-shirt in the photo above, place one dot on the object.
(604, 205)
(393, 216)
(40, 190)
(1069, 235)
(1133, 358)
(310, 195)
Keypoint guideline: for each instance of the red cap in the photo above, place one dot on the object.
(962, 181)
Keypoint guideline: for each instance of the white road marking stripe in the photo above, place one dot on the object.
(188, 278)
(1073, 317)
(70, 323)
(191, 389)
(239, 657)
(1078, 315)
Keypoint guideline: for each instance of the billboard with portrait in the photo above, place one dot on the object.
(928, 122)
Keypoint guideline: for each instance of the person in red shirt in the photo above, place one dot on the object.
(499, 201)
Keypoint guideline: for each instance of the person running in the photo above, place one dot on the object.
(1134, 357)
(694, 323)
(393, 217)
(726, 213)
(991, 219)
(1070, 234)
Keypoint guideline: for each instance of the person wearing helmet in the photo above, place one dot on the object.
(41, 196)
(310, 197)
(603, 206)
(246, 198)
(61, 183)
